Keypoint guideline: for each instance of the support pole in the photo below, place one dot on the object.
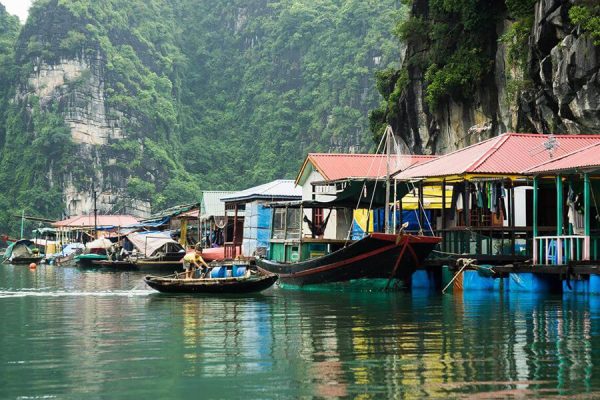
(587, 211)
(444, 205)
(95, 211)
(467, 211)
(586, 204)
(388, 138)
(559, 205)
(511, 219)
(235, 220)
(395, 208)
(535, 219)
(22, 223)
(420, 205)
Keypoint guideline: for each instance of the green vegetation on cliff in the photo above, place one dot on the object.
(453, 43)
(209, 94)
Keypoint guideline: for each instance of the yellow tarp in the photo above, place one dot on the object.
(432, 200)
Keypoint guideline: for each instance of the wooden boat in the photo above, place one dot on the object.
(158, 264)
(302, 260)
(21, 252)
(378, 255)
(26, 260)
(87, 260)
(117, 265)
(251, 282)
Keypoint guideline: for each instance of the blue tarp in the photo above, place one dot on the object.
(412, 217)
(263, 234)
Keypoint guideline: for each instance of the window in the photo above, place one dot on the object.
(317, 216)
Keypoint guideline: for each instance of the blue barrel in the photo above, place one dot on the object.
(218, 272)
(238, 271)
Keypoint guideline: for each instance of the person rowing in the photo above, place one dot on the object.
(193, 261)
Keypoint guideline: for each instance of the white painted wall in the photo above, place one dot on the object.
(334, 228)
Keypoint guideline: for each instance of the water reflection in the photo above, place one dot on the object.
(89, 334)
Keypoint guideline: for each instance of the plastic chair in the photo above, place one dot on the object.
(551, 254)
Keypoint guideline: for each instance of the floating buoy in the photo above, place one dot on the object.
(32, 266)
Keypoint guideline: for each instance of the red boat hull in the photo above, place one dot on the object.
(378, 255)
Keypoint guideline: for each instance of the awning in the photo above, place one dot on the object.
(148, 243)
(358, 193)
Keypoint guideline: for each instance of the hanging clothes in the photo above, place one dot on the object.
(502, 202)
(456, 204)
(575, 212)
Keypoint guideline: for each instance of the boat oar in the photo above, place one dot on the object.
(466, 262)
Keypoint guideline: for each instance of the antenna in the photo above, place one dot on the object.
(550, 145)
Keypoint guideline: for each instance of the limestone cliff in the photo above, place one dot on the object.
(555, 90)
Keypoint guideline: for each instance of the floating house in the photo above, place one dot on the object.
(323, 175)
(212, 217)
(81, 228)
(249, 235)
(508, 205)
(573, 249)
(181, 219)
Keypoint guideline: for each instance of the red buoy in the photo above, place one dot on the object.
(32, 266)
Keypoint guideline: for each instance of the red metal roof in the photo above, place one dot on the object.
(508, 154)
(587, 157)
(83, 221)
(340, 166)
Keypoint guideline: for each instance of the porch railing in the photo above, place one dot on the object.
(560, 250)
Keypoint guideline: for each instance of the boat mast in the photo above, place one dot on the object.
(95, 212)
(388, 140)
(22, 222)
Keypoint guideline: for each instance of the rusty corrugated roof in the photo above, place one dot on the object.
(87, 221)
(584, 158)
(509, 154)
(340, 166)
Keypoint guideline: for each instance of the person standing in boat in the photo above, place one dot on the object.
(193, 261)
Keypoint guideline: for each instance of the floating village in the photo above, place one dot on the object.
(517, 212)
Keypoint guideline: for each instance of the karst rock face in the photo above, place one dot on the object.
(148, 102)
(561, 94)
(76, 88)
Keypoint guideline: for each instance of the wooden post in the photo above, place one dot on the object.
(444, 205)
(587, 210)
(559, 205)
(559, 219)
(420, 205)
(235, 220)
(443, 235)
(511, 219)
(535, 219)
(466, 205)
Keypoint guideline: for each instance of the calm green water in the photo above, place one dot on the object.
(69, 334)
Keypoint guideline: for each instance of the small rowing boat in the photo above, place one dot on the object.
(249, 282)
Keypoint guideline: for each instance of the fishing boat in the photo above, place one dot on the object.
(378, 255)
(301, 259)
(22, 252)
(95, 250)
(242, 280)
(155, 251)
